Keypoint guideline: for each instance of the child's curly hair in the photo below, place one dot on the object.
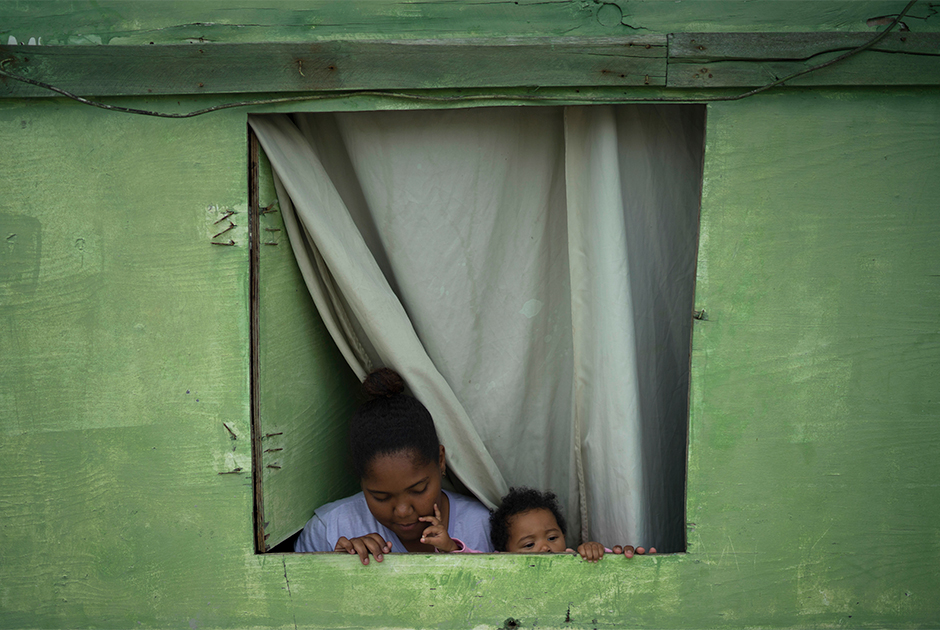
(519, 501)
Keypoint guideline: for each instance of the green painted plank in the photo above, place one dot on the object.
(865, 69)
(699, 47)
(709, 60)
(307, 392)
(814, 404)
(337, 65)
(140, 22)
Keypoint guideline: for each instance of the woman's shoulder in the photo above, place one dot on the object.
(467, 506)
(342, 508)
(323, 529)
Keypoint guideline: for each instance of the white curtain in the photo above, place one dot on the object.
(484, 254)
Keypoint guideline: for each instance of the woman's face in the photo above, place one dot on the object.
(400, 487)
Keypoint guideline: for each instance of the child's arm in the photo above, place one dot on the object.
(436, 534)
(591, 551)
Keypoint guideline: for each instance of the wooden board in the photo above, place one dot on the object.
(306, 391)
(709, 60)
(336, 65)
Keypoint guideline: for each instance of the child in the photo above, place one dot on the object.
(528, 521)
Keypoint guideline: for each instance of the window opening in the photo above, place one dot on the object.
(659, 191)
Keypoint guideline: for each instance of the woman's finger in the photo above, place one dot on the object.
(362, 548)
(384, 545)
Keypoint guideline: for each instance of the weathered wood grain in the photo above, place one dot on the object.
(306, 391)
(709, 60)
(335, 65)
(140, 22)
(697, 47)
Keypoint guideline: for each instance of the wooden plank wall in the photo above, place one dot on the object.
(683, 60)
(812, 497)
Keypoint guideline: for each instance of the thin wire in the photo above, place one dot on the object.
(465, 98)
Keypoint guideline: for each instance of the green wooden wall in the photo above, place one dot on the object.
(124, 371)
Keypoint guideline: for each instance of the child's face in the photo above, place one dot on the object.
(535, 531)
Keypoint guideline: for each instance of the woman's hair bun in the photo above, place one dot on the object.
(383, 383)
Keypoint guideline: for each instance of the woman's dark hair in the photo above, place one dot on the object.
(391, 422)
(519, 501)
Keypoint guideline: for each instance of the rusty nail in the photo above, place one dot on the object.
(232, 433)
(224, 217)
(229, 244)
(231, 226)
(273, 466)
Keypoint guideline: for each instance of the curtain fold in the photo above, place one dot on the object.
(513, 266)
(371, 302)
(606, 409)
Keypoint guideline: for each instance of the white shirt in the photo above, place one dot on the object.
(468, 520)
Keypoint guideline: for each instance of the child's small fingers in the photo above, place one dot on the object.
(437, 511)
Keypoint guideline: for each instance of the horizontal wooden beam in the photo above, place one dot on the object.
(335, 65)
(710, 60)
(683, 60)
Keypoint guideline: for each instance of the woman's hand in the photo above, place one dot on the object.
(629, 550)
(436, 534)
(591, 551)
(364, 545)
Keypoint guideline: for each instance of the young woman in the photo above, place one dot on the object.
(400, 464)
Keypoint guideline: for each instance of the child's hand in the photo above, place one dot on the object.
(436, 534)
(364, 545)
(591, 551)
(629, 550)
